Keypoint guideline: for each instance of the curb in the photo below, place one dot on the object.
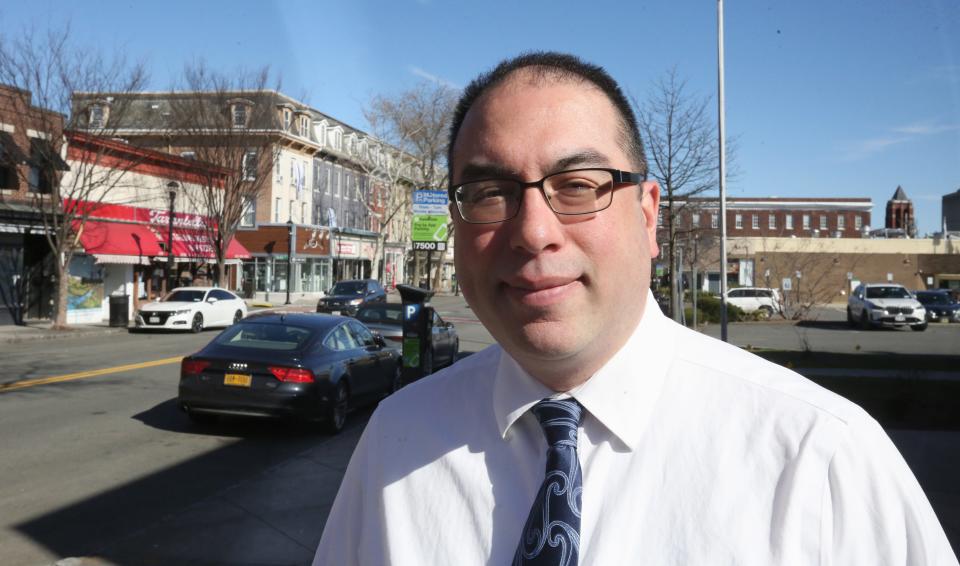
(60, 334)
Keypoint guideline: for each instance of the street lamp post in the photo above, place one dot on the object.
(291, 230)
(172, 188)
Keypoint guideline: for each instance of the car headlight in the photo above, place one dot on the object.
(181, 311)
(356, 301)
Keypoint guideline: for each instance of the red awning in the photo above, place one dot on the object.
(117, 238)
(196, 244)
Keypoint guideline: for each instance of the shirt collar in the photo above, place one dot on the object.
(621, 395)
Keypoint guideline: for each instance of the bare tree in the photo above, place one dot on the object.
(45, 70)
(224, 120)
(414, 123)
(682, 149)
(815, 277)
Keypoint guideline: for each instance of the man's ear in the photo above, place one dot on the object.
(650, 208)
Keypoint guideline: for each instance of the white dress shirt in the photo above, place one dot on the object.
(693, 452)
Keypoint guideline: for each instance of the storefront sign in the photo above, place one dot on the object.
(348, 249)
(313, 241)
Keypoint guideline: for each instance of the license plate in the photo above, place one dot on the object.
(237, 379)
(335, 312)
(155, 319)
(899, 318)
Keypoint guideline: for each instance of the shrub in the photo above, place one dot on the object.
(708, 310)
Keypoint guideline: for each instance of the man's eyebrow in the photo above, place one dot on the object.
(587, 157)
(583, 158)
(473, 171)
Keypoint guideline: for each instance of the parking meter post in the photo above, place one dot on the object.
(417, 331)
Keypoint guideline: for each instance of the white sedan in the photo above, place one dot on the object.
(192, 308)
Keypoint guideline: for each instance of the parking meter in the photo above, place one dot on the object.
(417, 330)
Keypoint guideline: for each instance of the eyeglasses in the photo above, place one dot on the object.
(578, 191)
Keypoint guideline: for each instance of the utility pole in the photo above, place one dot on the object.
(723, 175)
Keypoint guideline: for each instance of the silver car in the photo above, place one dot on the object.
(386, 319)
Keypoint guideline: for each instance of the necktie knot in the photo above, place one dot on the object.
(559, 419)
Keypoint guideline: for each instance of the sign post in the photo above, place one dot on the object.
(429, 228)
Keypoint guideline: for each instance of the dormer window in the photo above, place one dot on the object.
(240, 111)
(98, 116)
(322, 132)
(287, 119)
(239, 116)
(305, 126)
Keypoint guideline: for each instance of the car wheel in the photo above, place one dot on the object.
(237, 316)
(865, 320)
(197, 324)
(764, 312)
(850, 320)
(918, 327)
(337, 418)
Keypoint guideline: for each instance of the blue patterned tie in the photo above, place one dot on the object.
(551, 535)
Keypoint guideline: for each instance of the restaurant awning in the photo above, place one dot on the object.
(118, 239)
(196, 244)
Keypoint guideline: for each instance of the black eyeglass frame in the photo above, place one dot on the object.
(619, 178)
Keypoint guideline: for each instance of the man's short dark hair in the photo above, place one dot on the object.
(560, 67)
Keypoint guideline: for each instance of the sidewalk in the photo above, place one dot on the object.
(42, 329)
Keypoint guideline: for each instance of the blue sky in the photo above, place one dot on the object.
(838, 98)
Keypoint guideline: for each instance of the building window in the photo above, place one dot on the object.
(772, 221)
(305, 126)
(188, 154)
(239, 116)
(287, 119)
(303, 214)
(293, 172)
(714, 221)
(336, 182)
(276, 209)
(695, 220)
(755, 222)
(248, 218)
(789, 221)
(250, 166)
(738, 222)
(841, 223)
(823, 221)
(290, 210)
(660, 217)
(97, 116)
(806, 221)
(858, 222)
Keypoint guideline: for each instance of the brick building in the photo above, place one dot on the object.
(31, 162)
(775, 217)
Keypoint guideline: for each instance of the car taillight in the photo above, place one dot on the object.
(292, 375)
(193, 367)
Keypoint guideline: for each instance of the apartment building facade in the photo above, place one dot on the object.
(316, 217)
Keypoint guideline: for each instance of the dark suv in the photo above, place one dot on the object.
(347, 296)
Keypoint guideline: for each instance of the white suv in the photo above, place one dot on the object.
(752, 299)
(885, 304)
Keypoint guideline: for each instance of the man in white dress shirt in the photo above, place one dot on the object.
(692, 451)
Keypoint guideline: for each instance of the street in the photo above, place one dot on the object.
(99, 463)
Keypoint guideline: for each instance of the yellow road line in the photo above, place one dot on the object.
(23, 383)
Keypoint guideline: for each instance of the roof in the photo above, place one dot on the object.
(309, 320)
(900, 194)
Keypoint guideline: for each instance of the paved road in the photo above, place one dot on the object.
(105, 466)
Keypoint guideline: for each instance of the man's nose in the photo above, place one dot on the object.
(536, 227)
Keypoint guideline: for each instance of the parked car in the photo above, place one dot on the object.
(387, 320)
(311, 367)
(193, 309)
(347, 296)
(885, 304)
(940, 305)
(755, 299)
